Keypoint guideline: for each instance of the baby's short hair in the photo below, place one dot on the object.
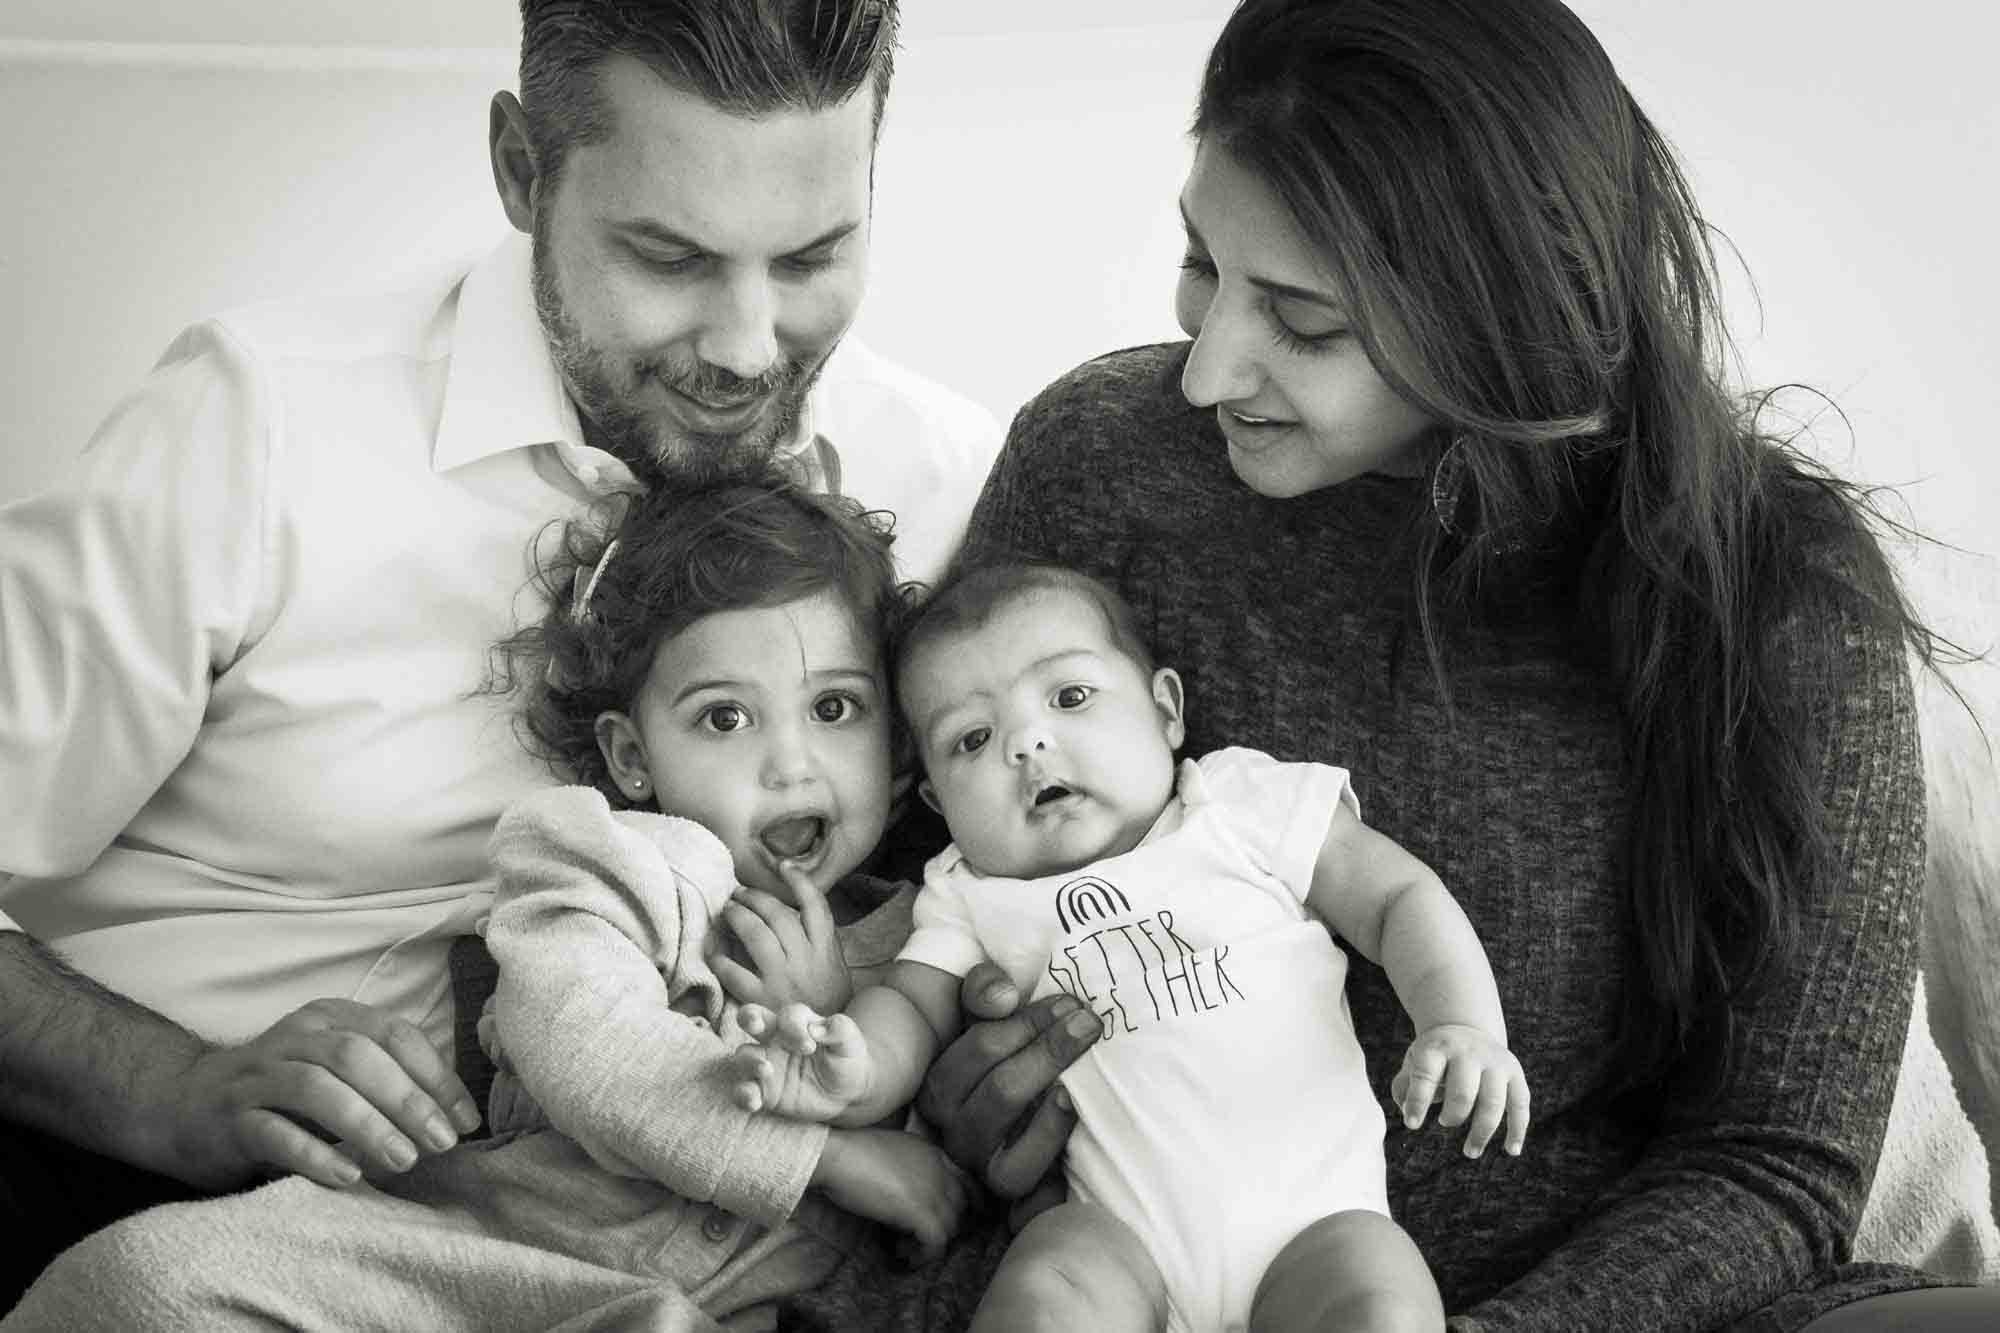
(970, 595)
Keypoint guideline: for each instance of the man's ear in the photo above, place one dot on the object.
(1167, 694)
(929, 793)
(624, 751)
(513, 158)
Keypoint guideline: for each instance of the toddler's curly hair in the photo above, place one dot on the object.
(681, 555)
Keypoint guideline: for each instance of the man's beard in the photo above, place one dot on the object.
(658, 450)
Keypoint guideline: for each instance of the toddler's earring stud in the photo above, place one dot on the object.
(638, 784)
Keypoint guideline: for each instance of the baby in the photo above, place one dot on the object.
(1228, 1154)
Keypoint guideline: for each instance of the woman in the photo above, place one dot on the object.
(1447, 488)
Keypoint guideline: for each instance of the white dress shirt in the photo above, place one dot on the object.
(242, 763)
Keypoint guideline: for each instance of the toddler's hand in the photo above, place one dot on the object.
(1476, 1078)
(794, 953)
(799, 1064)
(897, 1179)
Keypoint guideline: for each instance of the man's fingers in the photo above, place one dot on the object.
(986, 993)
(270, 1139)
(982, 1087)
(1018, 1166)
(363, 1062)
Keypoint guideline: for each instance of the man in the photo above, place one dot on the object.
(245, 774)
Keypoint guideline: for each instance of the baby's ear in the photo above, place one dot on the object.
(1167, 696)
(929, 793)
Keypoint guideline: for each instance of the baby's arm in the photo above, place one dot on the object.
(1395, 910)
(853, 1068)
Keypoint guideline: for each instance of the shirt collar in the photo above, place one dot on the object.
(502, 390)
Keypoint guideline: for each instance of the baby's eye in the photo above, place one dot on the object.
(972, 742)
(834, 708)
(1073, 696)
(725, 717)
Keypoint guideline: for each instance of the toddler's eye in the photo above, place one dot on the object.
(1073, 696)
(725, 717)
(972, 742)
(833, 708)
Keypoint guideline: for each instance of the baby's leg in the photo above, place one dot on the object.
(1074, 1267)
(1353, 1270)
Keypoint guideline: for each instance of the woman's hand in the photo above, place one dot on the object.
(794, 954)
(1474, 1075)
(992, 1094)
(897, 1179)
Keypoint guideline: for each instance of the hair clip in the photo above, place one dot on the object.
(579, 603)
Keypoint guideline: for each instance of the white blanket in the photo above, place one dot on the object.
(1935, 1199)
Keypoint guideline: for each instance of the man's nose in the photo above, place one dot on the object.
(739, 333)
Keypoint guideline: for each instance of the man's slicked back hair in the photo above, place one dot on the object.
(746, 57)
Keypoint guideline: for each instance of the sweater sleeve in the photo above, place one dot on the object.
(590, 921)
(1754, 1193)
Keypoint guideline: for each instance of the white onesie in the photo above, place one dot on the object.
(1226, 1106)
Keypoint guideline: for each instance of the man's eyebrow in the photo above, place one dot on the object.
(1271, 285)
(661, 234)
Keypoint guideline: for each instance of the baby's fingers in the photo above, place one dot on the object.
(1517, 1112)
(749, 1069)
(840, 1036)
(1487, 1111)
(1421, 1073)
(800, 1030)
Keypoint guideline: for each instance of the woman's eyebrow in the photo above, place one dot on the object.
(1286, 289)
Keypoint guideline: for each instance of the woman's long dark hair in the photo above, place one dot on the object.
(1525, 260)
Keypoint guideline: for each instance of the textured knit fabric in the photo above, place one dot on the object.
(1290, 623)
(1227, 1108)
(622, 1188)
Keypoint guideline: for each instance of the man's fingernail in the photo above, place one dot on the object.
(1000, 992)
(1082, 1023)
(402, 1154)
(438, 1134)
(465, 1115)
(1063, 1006)
(1063, 1103)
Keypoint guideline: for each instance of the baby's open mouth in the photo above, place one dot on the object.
(790, 839)
(1047, 794)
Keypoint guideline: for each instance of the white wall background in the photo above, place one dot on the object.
(162, 162)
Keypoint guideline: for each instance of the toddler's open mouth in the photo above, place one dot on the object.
(794, 839)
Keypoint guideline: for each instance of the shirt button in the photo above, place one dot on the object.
(717, 1226)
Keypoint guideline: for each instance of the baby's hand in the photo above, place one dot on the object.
(799, 1064)
(1475, 1077)
(897, 1179)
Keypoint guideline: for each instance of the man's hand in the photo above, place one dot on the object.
(1474, 1075)
(992, 1094)
(794, 954)
(897, 1179)
(365, 1078)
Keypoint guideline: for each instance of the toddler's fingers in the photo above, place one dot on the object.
(756, 1020)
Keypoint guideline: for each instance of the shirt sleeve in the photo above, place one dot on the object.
(123, 591)
(1281, 810)
(588, 923)
(941, 930)
(1753, 1193)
